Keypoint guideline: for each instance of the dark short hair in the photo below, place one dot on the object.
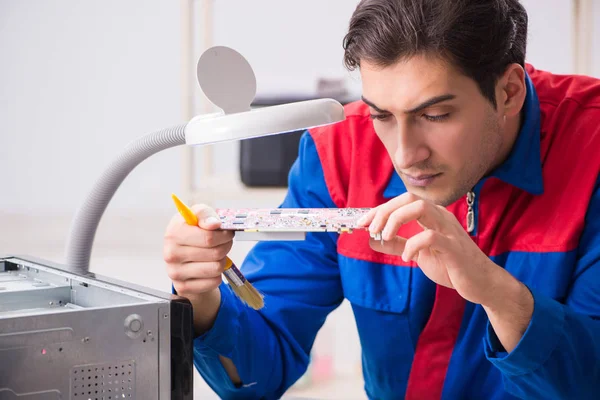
(480, 37)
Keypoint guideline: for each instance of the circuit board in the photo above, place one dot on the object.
(291, 219)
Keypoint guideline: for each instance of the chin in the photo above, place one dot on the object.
(426, 194)
(439, 197)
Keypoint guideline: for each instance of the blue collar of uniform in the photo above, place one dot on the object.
(523, 167)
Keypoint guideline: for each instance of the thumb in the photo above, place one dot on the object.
(207, 217)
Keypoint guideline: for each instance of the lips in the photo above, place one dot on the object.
(421, 180)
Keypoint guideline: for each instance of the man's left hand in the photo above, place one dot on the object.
(448, 256)
(444, 250)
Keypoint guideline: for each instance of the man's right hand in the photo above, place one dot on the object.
(195, 257)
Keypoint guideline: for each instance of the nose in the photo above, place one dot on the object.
(410, 148)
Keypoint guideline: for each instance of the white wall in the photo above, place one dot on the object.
(550, 35)
(78, 81)
(290, 44)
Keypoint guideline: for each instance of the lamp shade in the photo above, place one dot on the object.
(285, 118)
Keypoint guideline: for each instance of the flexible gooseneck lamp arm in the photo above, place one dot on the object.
(228, 81)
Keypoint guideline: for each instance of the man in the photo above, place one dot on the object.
(483, 175)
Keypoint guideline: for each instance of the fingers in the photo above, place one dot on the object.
(389, 217)
(374, 216)
(174, 253)
(207, 217)
(409, 249)
(185, 235)
(195, 255)
(383, 212)
(366, 219)
(196, 270)
(429, 239)
(197, 286)
(424, 212)
(395, 246)
(180, 233)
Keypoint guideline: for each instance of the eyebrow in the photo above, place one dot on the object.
(428, 103)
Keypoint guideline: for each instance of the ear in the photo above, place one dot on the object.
(511, 90)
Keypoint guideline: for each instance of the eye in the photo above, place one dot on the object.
(380, 117)
(436, 118)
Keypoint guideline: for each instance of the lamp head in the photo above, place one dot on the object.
(228, 81)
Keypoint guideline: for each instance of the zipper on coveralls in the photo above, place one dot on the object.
(470, 212)
(473, 202)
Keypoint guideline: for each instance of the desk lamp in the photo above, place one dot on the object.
(228, 81)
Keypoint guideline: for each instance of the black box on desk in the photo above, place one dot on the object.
(267, 161)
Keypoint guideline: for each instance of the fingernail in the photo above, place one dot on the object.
(212, 220)
(404, 257)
